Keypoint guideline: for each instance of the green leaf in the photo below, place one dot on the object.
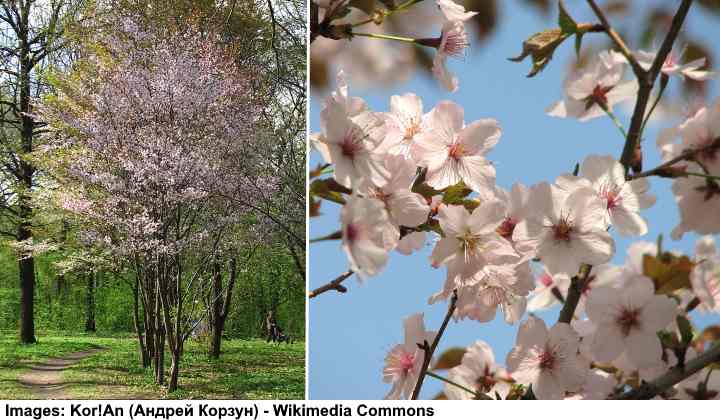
(566, 22)
(455, 194)
(326, 189)
(541, 47)
(669, 272)
(686, 330)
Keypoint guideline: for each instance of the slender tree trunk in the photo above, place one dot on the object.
(223, 311)
(216, 312)
(26, 171)
(144, 359)
(90, 301)
(159, 336)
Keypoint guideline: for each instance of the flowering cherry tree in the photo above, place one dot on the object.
(158, 146)
(623, 331)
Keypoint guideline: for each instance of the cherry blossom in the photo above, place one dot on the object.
(403, 362)
(404, 207)
(705, 277)
(470, 241)
(364, 222)
(479, 372)
(672, 67)
(596, 87)
(696, 198)
(623, 199)
(452, 42)
(598, 386)
(403, 123)
(628, 320)
(516, 201)
(544, 296)
(565, 230)
(453, 152)
(547, 359)
(700, 132)
(505, 287)
(350, 144)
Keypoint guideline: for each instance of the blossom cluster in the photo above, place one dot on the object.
(408, 176)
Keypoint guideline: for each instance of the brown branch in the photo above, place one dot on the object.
(333, 285)
(429, 350)
(637, 69)
(577, 284)
(648, 390)
(646, 83)
(666, 170)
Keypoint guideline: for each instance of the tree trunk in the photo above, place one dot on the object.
(25, 172)
(159, 338)
(223, 308)
(90, 300)
(27, 300)
(144, 358)
(175, 368)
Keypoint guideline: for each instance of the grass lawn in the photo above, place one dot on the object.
(247, 369)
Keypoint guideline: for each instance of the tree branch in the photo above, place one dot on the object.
(646, 83)
(429, 350)
(333, 285)
(637, 69)
(577, 284)
(648, 390)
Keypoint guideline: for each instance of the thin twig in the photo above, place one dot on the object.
(648, 390)
(577, 284)
(429, 350)
(665, 169)
(333, 285)
(646, 81)
(637, 69)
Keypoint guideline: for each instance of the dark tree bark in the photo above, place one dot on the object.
(221, 308)
(144, 357)
(90, 301)
(28, 40)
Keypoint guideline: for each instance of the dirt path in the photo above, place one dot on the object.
(45, 380)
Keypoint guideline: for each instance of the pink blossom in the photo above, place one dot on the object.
(565, 230)
(547, 360)
(672, 67)
(364, 221)
(479, 372)
(599, 85)
(404, 361)
(453, 152)
(628, 320)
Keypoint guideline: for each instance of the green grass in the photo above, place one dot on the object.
(247, 369)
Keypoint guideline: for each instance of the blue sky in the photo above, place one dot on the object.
(350, 334)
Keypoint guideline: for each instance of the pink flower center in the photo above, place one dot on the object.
(563, 229)
(547, 360)
(407, 362)
(455, 43)
(352, 232)
(412, 129)
(546, 280)
(611, 194)
(598, 96)
(456, 151)
(485, 382)
(350, 146)
(628, 319)
(506, 228)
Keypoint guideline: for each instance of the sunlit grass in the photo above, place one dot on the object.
(247, 369)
